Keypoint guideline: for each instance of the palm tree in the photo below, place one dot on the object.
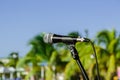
(14, 57)
(13, 60)
(42, 52)
(108, 52)
(84, 50)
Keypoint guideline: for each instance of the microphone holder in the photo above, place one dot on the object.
(75, 56)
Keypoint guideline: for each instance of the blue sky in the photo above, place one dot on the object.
(21, 20)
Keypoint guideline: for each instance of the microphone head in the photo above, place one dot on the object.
(48, 38)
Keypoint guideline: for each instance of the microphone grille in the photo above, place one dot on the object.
(48, 38)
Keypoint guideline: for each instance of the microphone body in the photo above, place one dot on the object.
(54, 38)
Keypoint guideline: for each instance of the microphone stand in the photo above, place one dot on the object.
(75, 56)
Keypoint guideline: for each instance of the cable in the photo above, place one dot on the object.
(98, 75)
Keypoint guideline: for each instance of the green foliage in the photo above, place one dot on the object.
(111, 67)
(109, 61)
(107, 46)
(71, 69)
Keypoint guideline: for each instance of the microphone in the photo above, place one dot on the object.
(54, 38)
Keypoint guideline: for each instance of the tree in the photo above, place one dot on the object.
(14, 57)
(108, 51)
(72, 70)
(13, 60)
(40, 53)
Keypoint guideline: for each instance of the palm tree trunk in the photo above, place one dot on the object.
(111, 67)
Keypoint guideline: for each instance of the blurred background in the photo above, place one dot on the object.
(24, 55)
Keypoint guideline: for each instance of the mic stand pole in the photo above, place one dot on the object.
(75, 56)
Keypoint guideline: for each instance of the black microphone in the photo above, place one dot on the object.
(54, 38)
